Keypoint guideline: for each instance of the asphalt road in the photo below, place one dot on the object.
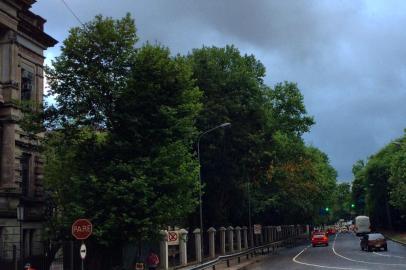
(343, 252)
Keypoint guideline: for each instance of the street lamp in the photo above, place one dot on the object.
(200, 176)
(20, 219)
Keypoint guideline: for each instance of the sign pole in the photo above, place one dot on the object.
(83, 253)
(83, 243)
(81, 230)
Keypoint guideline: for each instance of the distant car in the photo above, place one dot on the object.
(331, 231)
(319, 238)
(373, 241)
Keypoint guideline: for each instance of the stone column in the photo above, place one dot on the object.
(183, 246)
(245, 236)
(230, 238)
(198, 245)
(7, 165)
(164, 250)
(212, 245)
(222, 240)
(238, 234)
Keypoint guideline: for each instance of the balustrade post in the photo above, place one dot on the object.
(198, 245)
(183, 246)
(164, 250)
(245, 235)
(238, 233)
(222, 240)
(265, 231)
(212, 245)
(230, 238)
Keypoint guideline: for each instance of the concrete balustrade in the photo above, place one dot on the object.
(231, 240)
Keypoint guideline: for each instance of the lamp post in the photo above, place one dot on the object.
(20, 219)
(200, 176)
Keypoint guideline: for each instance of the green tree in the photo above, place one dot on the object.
(342, 201)
(398, 180)
(358, 187)
(124, 124)
(264, 147)
(232, 86)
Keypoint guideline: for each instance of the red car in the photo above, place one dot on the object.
(319, 238)
(331, 231)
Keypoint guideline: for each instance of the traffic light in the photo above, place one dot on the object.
(352, 205)
(327, 209)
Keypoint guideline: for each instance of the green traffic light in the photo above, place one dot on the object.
(352, 205)
(327, 209)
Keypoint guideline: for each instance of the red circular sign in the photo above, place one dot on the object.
(82, 229)
(172, 236)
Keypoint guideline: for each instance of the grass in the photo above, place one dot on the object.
(398, 236)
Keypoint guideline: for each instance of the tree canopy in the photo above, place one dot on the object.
(379, 185)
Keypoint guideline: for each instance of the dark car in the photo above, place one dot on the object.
(373, 241)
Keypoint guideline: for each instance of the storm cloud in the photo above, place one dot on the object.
(348, 57)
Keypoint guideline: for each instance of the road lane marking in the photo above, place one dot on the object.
(353, 260)
(320, 266)
(387, 255)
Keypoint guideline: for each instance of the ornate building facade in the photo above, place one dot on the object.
(22, 43)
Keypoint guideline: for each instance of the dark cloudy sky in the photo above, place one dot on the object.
(348, 57)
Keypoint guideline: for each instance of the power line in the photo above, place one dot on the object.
(72, 12)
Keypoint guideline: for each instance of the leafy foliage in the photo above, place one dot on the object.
(118, 149)
(379, 185)
(263, 149)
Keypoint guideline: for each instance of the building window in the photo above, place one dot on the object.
(25, 173)
(27, 84)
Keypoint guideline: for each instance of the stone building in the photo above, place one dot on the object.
(22, 43)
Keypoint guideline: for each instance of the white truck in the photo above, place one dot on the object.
(362, 225)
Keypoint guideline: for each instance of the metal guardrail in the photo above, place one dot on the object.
(251, 251)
